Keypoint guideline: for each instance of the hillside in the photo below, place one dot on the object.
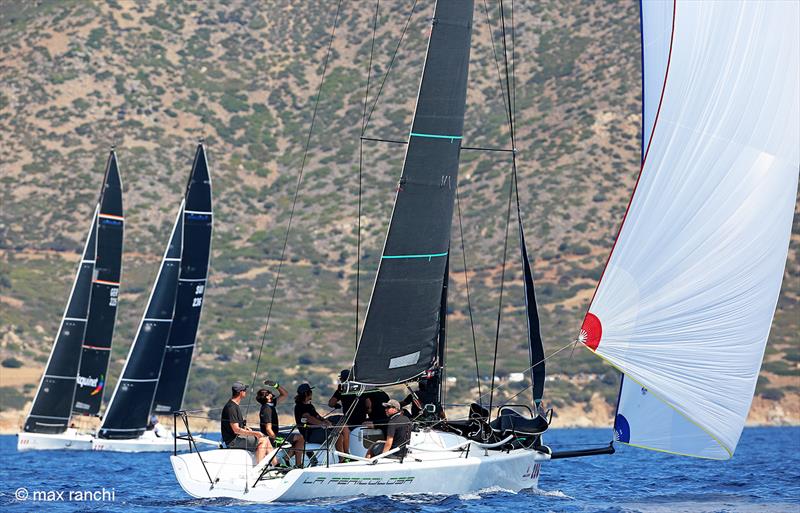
(152, 77)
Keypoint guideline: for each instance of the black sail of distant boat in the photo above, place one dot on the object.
(197, 227)
(401, 329)
(52, 405)
(128, 412)
(535, 347)
(96, 347)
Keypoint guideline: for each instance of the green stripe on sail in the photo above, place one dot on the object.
(428, 256)
(436, 136)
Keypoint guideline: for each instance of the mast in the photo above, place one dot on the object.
(400, 338)
(99, 331)
(129, 409)
(197, 221)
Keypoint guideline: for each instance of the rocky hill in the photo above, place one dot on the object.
(152, 77)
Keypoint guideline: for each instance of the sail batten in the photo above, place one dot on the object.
(686, 301)
(401, 330)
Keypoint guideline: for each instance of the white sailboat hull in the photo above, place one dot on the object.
(421, 472)
(68, 440)
(147, 442)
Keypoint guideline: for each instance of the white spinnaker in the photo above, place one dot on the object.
(687, 299)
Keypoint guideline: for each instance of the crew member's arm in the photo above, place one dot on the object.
(243, 431)
(387, 446)
(314, 421)
(333, 402)
(282, 394)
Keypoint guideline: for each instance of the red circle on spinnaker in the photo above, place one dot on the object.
(591, 331)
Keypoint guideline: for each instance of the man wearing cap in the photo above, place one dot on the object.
(309, 422)
(398, 431)
(232, 425)
(156, 427)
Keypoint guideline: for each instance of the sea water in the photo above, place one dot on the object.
(763, 476)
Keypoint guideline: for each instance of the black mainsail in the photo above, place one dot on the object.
(52, 405)
(197, 226)
(104, 295)
(129, 409)
(401, 330)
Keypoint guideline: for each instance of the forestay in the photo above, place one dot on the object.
(197, 226)
(686, 301)
(401, 329)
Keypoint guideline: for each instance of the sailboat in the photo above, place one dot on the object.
(74, 377)
(159, 358)
(683, 308)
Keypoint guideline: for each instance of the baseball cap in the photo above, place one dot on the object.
(305, 387)
(394, 403)
(344, 375)
(238, 386)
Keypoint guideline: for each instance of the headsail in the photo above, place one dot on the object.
(401, 329)
(686, 301)
(104, 295)
(129, 409)
(52, 404)
(535, 347)
(197, 225)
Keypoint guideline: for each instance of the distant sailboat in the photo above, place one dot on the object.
(76, 369)
(686, 301)
(161, 351)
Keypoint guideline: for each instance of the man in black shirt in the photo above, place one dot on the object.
(268, 419)
(377, 414)
(234, 434)
(358, 413)
(398, 432)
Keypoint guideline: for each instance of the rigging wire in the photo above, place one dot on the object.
(389, 69)
(294, 203)
(469, 301)
(513, 186)
(360, 168)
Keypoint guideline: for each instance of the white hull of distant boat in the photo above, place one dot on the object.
(147, 442)
(68, 440)
(436, 463)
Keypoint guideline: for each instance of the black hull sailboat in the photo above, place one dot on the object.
(72, 374)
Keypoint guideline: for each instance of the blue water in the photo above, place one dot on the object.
(764, 476)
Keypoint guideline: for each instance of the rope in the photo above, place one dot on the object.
(498, 387)
(502, 287)
(294, 204)
(469, 302)
(389, 69)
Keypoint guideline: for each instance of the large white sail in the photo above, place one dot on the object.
(686, 301)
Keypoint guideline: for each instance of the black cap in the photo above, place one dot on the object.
(344, 375)
(305, 387)
(238, 386)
